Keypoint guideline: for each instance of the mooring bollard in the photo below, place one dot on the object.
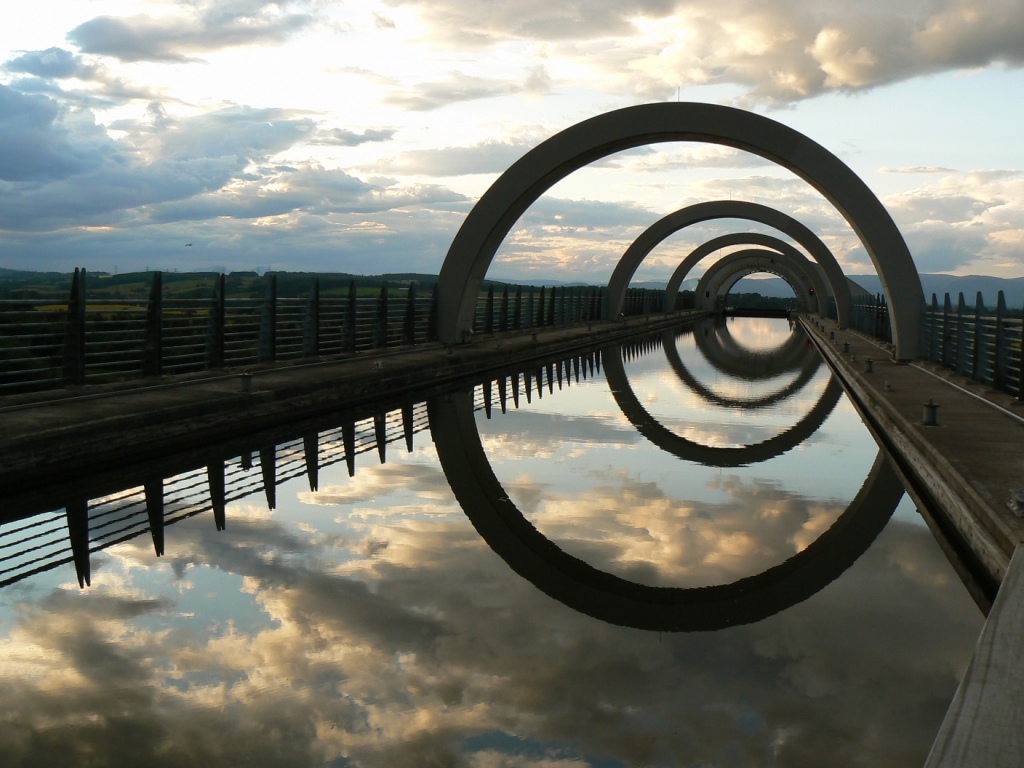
(831, 334)
(1016, 503)
(246, 379)
(846, 346)
(930, 417)
(869, 365)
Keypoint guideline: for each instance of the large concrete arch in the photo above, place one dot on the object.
(726, 209)
(821, 285)
(795, 271)
(497, 211)
(613, 599)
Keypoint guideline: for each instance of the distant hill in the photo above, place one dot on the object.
(969, 285)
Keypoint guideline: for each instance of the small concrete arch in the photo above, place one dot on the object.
(616, 600)
(796, 272)
(821, 286)
(727, 209)
(498, 209)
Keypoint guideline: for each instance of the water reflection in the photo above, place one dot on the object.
(363, 621)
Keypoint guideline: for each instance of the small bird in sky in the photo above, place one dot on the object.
(188, 245)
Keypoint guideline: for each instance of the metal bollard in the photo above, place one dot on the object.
(869, 365)
(246, 379)
(846, 346)
(831, 334)
(930, 417)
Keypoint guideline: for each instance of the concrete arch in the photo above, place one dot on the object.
(821, 285)
(796, 272)
(610, 598)
(727, 209)
(497, 211)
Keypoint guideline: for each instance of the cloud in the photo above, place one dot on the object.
(460, 87)
(176, 38)
(51, 63)
(491, 156)
(40, 144)
(780, 53)
(344, 138)
(969, 221)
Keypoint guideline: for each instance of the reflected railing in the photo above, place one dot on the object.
(68, 522)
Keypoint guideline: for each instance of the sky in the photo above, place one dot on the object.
(356, 136)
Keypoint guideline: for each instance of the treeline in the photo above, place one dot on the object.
(17, 284)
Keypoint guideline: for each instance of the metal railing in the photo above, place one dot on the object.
(972, 340)
(78, 339)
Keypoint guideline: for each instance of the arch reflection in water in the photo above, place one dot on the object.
(619, 601)
(714, 456)
(616, 600)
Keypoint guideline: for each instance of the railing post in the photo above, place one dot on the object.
(74, 332)
(381, 326)
(551, 307)
(1020, 369)
(933, 338)
(409, 321)
(268, 323)
(152, 343)
(961, 336)
(311, 325)
(517, 313)
(999, 345)
(978, 359)
(540, 307)
(489, 312)
(530, 316)
(432, 322)
(503, 314)
(348, 342)
(947, 310)
(215, 326)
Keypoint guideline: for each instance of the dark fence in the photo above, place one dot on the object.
(975, 342)
(78, 339)
(970, 339)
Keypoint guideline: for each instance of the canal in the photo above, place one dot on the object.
(681, 551)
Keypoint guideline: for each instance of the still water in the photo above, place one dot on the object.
(695, 480)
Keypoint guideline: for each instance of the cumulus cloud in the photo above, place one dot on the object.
(786, 52)
(207, 27)
(342, 137)
(460, 87)
(490, 156)
(961, 221)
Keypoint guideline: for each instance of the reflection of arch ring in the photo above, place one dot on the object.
(619, 601)
(710, 456)
(811, 363)
(499, 208)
